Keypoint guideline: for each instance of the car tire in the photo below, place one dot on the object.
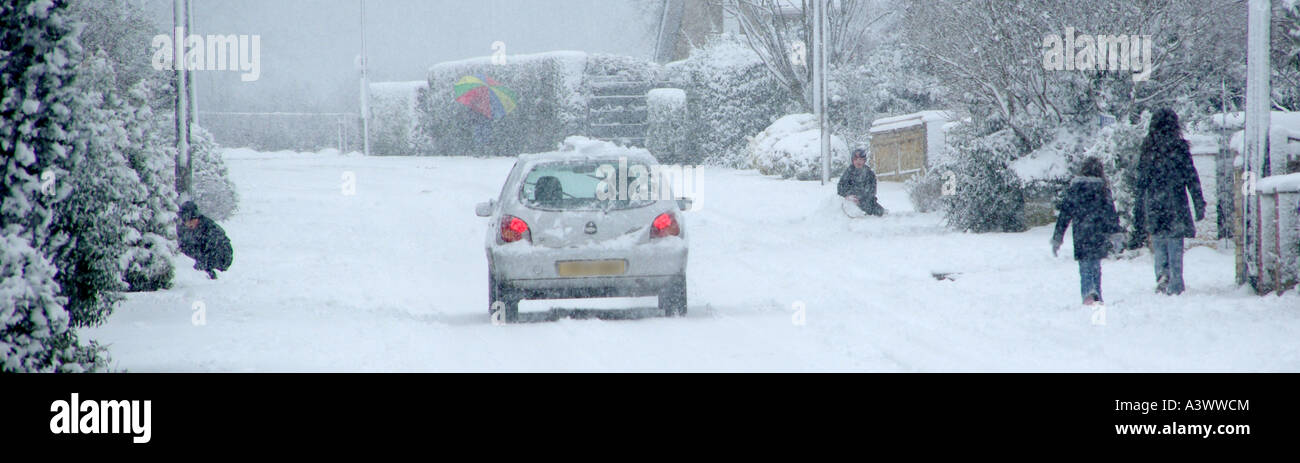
(509, 302)
(672, 299)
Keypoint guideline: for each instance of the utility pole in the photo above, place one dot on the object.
(365, 86)
(182, 109)
(1257, 126)
(193, 86)
(819, 85)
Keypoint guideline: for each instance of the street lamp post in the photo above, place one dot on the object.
(365, 86)
(193, 87)
(182, 107)
(819, 85)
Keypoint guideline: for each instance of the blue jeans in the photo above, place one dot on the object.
(1090, 278)
(1169, 261)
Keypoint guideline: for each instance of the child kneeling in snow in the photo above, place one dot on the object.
(858, 184)
(1088, 205)
(204, 240)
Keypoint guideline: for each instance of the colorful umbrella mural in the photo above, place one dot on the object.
(485, 96)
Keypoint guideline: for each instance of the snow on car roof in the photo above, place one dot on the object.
(579, 148)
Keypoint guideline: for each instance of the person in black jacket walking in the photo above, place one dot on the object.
(1166, 176)
(1087, 204)
(858, 184)
(203, 240)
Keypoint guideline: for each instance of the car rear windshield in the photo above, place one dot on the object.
(587, 185)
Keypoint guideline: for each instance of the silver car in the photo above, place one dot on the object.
(577, 223)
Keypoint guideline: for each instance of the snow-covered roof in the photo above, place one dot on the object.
(908, 120)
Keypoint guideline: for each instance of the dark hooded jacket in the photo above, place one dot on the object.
(861, 183)
(206, 243)
(1166, 176)
(1087, 205)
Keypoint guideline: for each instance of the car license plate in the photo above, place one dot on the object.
(590, 268)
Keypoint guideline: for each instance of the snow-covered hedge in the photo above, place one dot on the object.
(152, 155)
(667, 136)
(1046, 172)
(392, 117)
(790, 147)
(549, 98)
(625, 67)
(987, 195)
(214, 193)
(926, 191)
(730, 96)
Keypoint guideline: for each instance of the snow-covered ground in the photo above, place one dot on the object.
(393, 278)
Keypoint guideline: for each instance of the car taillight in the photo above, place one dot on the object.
(664, 225)
(514, 229)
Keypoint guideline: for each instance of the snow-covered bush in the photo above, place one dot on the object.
(550, 97)
(667, 135)
(1046, 172)
(550, 106)
(791, 147)
(987, 196)
(214, 193)
(35, 332)
(392, 117)
(926, 191)
(39, 135)
(627, 68)
(32, 319)
(731, 96)
(152, 155)
(116, 29)
(93, 223)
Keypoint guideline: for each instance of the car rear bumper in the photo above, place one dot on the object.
(534, 270)
(585, 287)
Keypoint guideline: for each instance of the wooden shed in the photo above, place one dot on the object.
(902, 145)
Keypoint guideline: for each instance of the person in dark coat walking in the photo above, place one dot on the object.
(203, 240)
(1166, 176)
(858, 184)
(1087, 205)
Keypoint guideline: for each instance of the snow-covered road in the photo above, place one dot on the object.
(393, 278)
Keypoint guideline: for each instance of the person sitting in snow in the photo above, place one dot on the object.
(858, 184)
(1087, 204)
(203, 240)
